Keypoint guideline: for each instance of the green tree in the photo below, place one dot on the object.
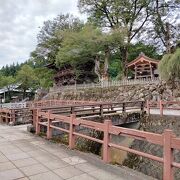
(115, 67)
(88, 45)
(148, 50)
(44, 77)
(48, 43)
(7, 82)
(129, 15)
(164, 29)
(27, 79)
(169, 66)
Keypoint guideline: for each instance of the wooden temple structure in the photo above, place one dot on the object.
(67, 75)
(62, 76)
(143, 67)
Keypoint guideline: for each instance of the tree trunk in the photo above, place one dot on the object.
(124, 54)
(167, 39)
(24, 93)
(97, 67)
(106, 64)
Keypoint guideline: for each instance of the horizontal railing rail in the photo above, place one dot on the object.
(13, 105)
(13, 115)
(97, 108)
(167, 140)
(162, 105)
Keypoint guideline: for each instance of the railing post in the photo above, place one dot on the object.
(7, 117)
(124, 108)
(13, 116)
(106, 140)
(168, 155)
(37, 122)
(71, 130)
(101, 110)
(72, 110)
(49, 129)
(34, 114)
(142, 106)
(93, 108)
(1, 120)
(161, 107)
(148, 107)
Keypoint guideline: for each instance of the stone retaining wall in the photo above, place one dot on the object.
(122, 93)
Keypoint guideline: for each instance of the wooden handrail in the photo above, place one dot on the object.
(167, 140)
(161, 105)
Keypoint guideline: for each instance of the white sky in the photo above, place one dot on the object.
(20, 21)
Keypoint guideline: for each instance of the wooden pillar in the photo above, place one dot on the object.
(7, 117)
(37, 122)
(71, 131)
(124, 107)
(161, 107)
(106, 141)
(101, 110)
(168, 155)
(142, 106)
(13, 116)
(151, 71)
(135, 68)
(34, 114)
(49, 129)
(72, 110)
(1, 119)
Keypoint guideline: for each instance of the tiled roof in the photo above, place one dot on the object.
(145, 58)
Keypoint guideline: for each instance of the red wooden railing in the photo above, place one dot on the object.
(162, 105)
(7, 115)
(167, 140)
(12, 115)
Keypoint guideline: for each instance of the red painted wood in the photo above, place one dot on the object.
(168, 155)
(167, 140)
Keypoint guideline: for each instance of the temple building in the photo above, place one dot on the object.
(67, 75)
(62, 76)
(143, 67)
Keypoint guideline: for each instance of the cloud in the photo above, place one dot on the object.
(20, 21)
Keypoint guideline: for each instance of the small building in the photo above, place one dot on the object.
(144, 67)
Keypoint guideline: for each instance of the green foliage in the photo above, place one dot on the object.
(114, 14)
(148, 50)
(27, 79)
(164, 31)
(115, 68)
(48, 43)
(85, 45)
(169, 66)
(6, 81)
(10, 70)
(79, 46)
(163, 67)
(44, 76)
(174, 66)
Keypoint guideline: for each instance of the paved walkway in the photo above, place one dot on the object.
(26, 156)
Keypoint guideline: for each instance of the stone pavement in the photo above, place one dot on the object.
(26, 156)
